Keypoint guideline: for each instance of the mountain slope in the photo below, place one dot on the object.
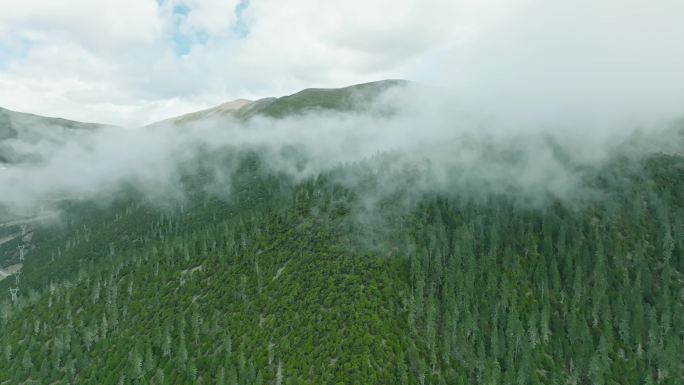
(223, 110)
(349, 98)
(283, 281)
(345, 278)
(29, 129)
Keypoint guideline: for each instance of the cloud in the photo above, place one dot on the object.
(609, 63)
(134, 62)
(445, 144)
(528, 73)
(97, 25)
(159, 59)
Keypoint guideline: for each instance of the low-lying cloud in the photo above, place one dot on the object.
(526, 104)
(416, 125)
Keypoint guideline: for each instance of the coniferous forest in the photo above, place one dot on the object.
(358, 192)
(273, 279)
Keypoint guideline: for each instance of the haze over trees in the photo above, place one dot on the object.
(392, 269)
(179, 207)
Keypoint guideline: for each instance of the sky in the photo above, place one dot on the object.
(508, 75)
(136, 61)
(132, 62)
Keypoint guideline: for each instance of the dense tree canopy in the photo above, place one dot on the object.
(284, 281)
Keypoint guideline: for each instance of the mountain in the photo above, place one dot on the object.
(339, 99)
(12, 123)
(353, 275)
(350, 98)
(222, 110)
(29, 130)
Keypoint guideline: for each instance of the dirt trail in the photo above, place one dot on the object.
(10, 270)
(28, 220)
(9, 238)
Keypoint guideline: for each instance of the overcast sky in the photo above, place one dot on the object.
(132, 62)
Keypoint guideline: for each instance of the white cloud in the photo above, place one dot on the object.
(214, 17)
(114, 61)
(119, 62)
(597, 63)
(98, 25)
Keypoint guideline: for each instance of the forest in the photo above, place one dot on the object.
(278, 280)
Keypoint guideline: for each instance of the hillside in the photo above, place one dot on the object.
(222, 111)
(350, 98)
(29, 129)
(336, 278)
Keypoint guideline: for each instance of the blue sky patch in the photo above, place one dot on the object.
(183, 41)
(241, 28)
(181, 9)
(13, 51)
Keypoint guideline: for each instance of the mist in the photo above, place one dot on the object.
(527, 105)
(417, 126)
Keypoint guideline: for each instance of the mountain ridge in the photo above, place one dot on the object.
(31, 128)
(305, 100)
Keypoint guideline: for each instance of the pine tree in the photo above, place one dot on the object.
(26, 361)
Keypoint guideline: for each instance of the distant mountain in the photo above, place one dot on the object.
(29, 129)
(20, 126)
(355, 97)
(340, 99)
(221, 110)
(13, 123)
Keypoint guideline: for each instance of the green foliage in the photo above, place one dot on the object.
(295, 282)
(356, 98)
